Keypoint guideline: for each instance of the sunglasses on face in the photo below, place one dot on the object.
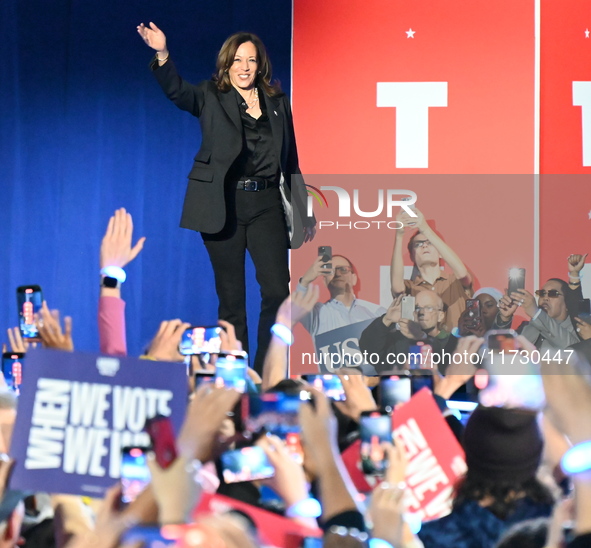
(342, 270)
(420, 243)
(552, 293)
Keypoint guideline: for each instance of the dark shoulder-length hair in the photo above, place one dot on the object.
(503, 494)
(570, 299)
(226, 57)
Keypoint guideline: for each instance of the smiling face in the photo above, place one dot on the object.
(243, 71)
(555, 307)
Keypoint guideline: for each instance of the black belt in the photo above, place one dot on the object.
(252, 185)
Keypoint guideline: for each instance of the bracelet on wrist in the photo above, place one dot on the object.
(577, 459)
(283, 332)
(114, 272)
(343, 531)
(162, 60)
(379, 543)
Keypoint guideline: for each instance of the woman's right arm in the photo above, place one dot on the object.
(156, 39)
(186, 96)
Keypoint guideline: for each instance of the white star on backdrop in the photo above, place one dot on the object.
(586, 33)
(410, 33)
(590, 215)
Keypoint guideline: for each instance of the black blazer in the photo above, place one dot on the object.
(204, 208)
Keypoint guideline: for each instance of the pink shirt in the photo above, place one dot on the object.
(111, 326)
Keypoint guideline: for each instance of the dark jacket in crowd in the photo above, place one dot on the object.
(471, 526)
(387, 342)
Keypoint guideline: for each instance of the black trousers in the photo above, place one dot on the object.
(255, 222)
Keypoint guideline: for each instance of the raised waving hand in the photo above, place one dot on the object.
(153, 37)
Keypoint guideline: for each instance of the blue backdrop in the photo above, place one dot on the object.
(85, 129)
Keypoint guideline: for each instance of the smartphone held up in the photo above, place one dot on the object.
(29, 300)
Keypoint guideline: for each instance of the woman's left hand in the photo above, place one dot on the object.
(309, 233)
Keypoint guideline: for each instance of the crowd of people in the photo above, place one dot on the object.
(524, 477)
(513, 491)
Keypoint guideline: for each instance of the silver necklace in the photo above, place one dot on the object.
(251, 104)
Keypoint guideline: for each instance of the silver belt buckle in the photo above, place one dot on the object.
(251, 186)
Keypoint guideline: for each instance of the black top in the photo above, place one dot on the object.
(258, 158)
(387, 342)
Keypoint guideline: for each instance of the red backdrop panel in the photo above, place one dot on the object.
(565, 225)
(565, 200)
(565, 57)
(487, 220)
(483, 50)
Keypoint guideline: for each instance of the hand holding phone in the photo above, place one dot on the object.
(585, 310)
(473, 313)
(161, 433)
(135, 474)
(330, 385)
(276, 413)
(408, 308)
(246, 464)
(375, 430)
(201, 340)
(29, 302)
(325, 252)
(12, 369)
(392, 391)
(231, 370)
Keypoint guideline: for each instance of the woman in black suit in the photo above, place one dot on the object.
(247, 160)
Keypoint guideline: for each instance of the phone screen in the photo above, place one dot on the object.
(231, 371)
(275, 412)
(585, 310)
(246, 464)
(418, 382)
(12, 369)
(200, 340)
(202, 377)
(135, 474)
(293, 443)
(516, 280)
(330, 385)
(375, 429)
(394, 390)
(420, 356)
(29, 301)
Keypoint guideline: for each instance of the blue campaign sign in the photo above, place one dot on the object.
(340, 348)
(76, 411)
